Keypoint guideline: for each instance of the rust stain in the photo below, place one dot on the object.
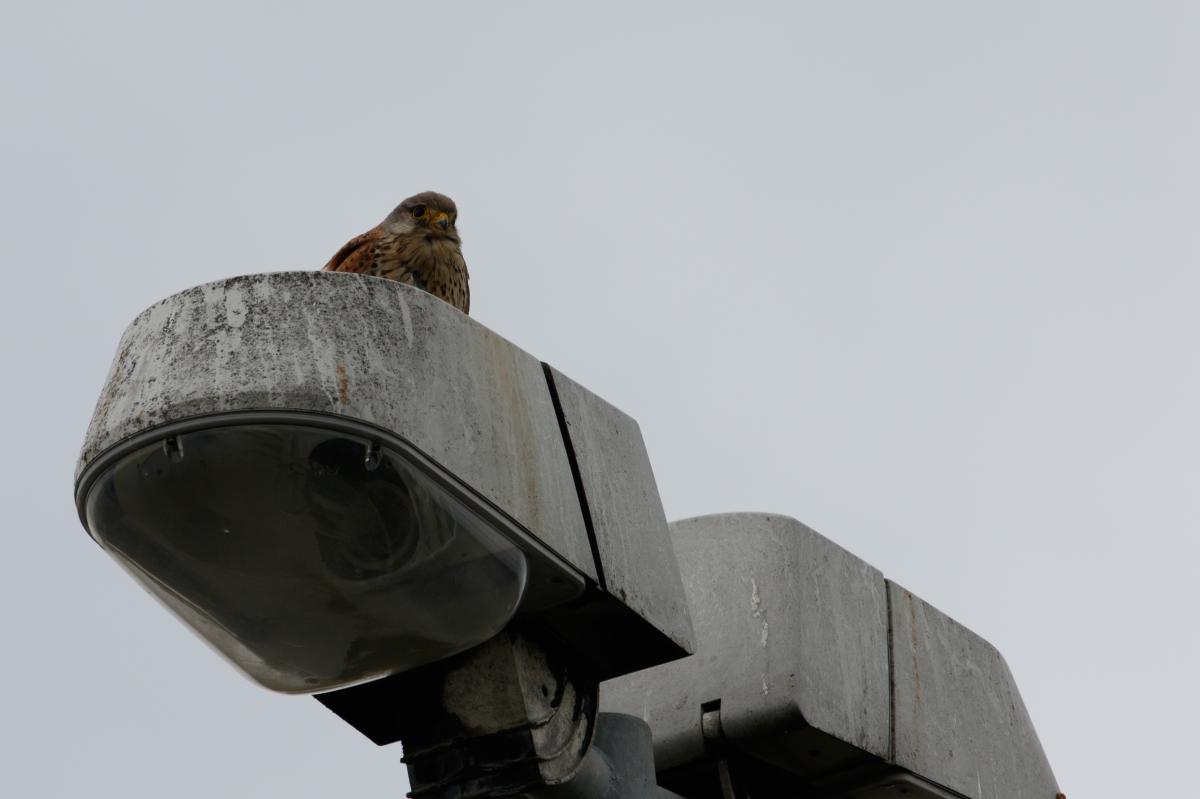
(343, 381)
(504, 370)
(912, 614)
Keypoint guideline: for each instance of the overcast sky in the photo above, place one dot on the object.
(923, 275)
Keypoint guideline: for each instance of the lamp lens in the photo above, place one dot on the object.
(312, 559)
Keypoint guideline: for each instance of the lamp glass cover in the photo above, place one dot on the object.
(312, 559)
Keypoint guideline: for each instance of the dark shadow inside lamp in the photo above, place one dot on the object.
(312, 559)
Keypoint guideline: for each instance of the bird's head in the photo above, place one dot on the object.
(428, 213)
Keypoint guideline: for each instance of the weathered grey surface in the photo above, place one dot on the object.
(792, 636)
(636, 556)
(960, 720)
(361, 347)
(790, 629)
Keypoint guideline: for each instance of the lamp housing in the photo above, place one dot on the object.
(816, 675)
(332, 478)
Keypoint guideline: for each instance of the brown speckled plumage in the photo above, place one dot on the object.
(417, 244)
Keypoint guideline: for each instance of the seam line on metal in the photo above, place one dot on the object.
(575, 474)
(891, 667)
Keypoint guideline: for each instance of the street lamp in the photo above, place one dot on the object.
(348, 487)
(815, 675)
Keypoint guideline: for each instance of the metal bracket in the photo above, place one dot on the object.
(620, 765)
(715, 743)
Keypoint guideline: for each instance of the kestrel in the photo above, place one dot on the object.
(417, 244)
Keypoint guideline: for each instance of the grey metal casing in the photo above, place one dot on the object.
(959, 718)
(397, 358)
(789, 627)
(620, 495)
(357, 347)
(822, 674)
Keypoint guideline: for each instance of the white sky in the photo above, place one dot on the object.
(923, 275)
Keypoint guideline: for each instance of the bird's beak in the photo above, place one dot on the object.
(441, 219)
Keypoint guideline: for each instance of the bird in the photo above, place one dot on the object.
(416, 244)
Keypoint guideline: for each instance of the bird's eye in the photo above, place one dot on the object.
(418, 211)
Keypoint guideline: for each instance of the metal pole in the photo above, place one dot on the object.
(620, 765)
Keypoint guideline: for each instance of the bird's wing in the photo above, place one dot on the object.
(464, 287)
(355, 254)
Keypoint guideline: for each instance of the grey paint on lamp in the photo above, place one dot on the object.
(360, 347)
(632, 540)
(831, 673)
